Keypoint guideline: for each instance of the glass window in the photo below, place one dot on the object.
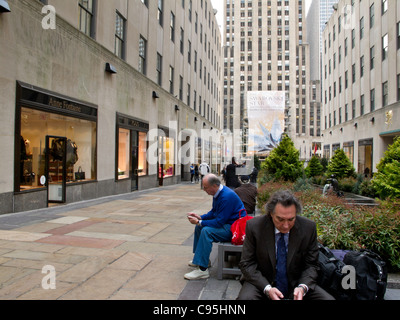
(166, 156)
(86, 16)
(35, 126)
(124, 139)
(142, 161)
(119, 36)
(142, 55)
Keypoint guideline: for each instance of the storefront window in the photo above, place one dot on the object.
(365, 157)
(124, 153)
(142, 164)
(167, 159)
(348, 149)
(132, 148)
(81, 151)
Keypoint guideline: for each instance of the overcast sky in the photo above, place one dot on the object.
(219, 5)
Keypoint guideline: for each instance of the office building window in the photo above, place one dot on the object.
(86, 11)
(384, 6)
(160, 14)
(120, 36)
(172, 27)
(142, 55)
(372, 57)
(159, 69)
(385, 44)
(385, 94)
(171, 80)
(398, 87)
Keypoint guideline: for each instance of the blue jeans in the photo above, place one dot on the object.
(203, 240)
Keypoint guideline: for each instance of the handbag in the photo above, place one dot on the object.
(238, 229)
(80, 175)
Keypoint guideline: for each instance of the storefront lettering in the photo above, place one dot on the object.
(62, 104)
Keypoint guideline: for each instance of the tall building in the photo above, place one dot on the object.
(99, 97)
(361, 81)
(318, 15)
(265, 49)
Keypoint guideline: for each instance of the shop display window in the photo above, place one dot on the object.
(81, 138)
(142, 162)
(124, 153)
(167, 156)
(132, 148)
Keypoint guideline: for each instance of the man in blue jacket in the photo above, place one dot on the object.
(214, 226)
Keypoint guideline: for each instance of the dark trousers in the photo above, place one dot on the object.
(250, 292)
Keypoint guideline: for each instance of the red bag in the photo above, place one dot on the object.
(238, 229)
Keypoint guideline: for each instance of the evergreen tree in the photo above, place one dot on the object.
(283, 161)
(341, 166)
(314, 167)
(386, 181)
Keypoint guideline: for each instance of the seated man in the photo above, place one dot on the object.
(248, 194)
(215, 226)
(280, 254)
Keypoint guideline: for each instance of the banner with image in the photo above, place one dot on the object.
(266, 114)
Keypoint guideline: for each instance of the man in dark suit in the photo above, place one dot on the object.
(280, 254)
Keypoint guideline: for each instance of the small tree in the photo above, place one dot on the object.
(386, 181)
(314, 167)
(341, 166)
(283, 161)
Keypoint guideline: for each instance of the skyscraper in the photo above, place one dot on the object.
(265, 50)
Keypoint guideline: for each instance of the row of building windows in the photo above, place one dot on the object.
(332, 89)
(86, 24)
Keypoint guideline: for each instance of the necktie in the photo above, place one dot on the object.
(281, 276)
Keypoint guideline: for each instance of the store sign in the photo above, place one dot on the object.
(63, 104)
(51, 102)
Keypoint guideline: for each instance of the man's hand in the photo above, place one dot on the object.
(275, 294)
(194, 215)
(193, 218)
(298, 293)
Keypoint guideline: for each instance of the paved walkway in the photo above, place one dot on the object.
(128, 247)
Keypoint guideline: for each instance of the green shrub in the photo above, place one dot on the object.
(314, 167)
(367, 189)
(347, 184)
(379, 230)
(340, 165)
(283, 161)
(386, 181)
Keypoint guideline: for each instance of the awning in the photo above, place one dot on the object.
(392, 133)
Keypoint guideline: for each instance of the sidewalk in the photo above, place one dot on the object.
(128, 247)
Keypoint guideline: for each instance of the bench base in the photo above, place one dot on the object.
(226, 249)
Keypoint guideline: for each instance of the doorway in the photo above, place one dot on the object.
(56, 169)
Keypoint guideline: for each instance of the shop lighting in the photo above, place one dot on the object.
(4, 6)
(110, 68)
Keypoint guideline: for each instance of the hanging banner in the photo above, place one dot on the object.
(266, 114)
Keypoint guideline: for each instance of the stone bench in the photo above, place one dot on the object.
(224, 250)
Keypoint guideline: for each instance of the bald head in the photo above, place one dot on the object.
(211, 184)
(212, 180)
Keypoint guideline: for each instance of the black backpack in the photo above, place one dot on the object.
(330, 274)
(371, 274)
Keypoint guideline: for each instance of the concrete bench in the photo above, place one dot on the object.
(224, 250)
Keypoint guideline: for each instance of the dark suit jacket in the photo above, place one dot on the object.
(258, 263)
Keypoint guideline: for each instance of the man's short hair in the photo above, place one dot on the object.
(213, 180)
(285, 198)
